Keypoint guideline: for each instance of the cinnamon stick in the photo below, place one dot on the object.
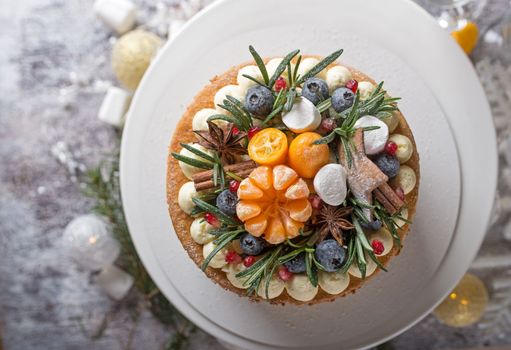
(383, 200)
(234, 168)
(388, 198)
(205, 185)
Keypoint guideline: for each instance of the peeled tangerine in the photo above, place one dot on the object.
(273, 202)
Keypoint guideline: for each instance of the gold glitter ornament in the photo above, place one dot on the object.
(132, 54)
(465, 305)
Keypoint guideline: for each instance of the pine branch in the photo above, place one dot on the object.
(102, 185)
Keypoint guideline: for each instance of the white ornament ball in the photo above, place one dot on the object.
(88, 240)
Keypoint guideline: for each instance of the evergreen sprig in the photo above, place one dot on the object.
(102, 186)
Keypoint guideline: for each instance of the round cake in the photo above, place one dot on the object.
(292, 179)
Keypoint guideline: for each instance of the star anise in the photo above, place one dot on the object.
(333, 220)
(223, 141)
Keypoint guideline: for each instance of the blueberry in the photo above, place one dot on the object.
(374, 226)
(330, 255)
(342, 99)
(226, 202)
(312, 88)
(259, 100)
(251, 245)
(297, 264)
(387, 163)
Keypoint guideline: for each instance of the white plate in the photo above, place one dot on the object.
(392, 41)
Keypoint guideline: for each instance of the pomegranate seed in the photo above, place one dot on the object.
(315, 201)
(252, 131)
(328, 124)
(352, 85)
(400, 193)
(211, 219)
(249, 261)
(231, 257)
(280, 84)
(235, 130)
(233, 186)
(391, 148)
(285, 274)
(377, 246)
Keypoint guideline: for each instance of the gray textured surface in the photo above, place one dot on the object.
(54, 68)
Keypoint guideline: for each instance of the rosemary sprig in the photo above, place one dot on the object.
(225, 219)
(320, 66)
(324, 105)
(198, 152)
(289, 74)
(290, 99)
(310, 268)
(282, 67)
(389, 222)
(238, 111)
(193, 162)
(261, 269)
(363, 248)
(378, 104)
(221, 242)
(259, 61)
(295, 71)
(272, 115)
(351, 255)
(230, 119)
(346, 130)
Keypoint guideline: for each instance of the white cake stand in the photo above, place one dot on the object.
(392, 41)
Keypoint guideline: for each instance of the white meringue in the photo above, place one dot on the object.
(330, 184)
(374, 140)
(302, 117)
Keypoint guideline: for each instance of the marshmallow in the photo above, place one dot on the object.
(300, 288)
(406, 178)
(404, 147)
(330, 184)
(114, 106)
(365, 89)
(333, 282)
(307, 64)
(120, 15)
(374, 140)
(252, 71)
(184, 199)
(218, 261)
(337, 77)
(302, 117)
